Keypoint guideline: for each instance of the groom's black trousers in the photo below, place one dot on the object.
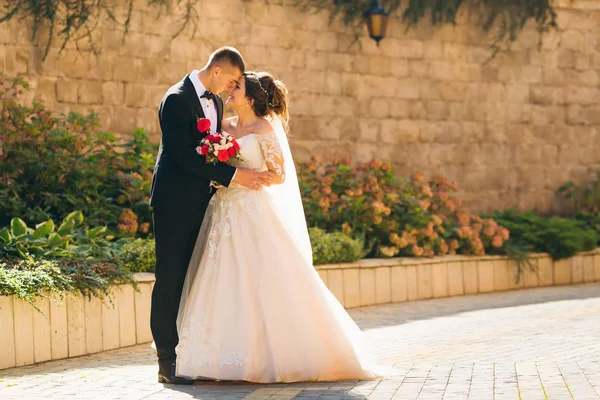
(175, 236)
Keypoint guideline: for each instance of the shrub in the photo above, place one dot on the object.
(137, 255)
(585, 202)
(69, 259)
(409, 217)
(559, 237)
(29, 278)
(591, 220)
(336, 247)
(50, 166)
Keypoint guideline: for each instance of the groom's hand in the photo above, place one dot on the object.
(253, 179)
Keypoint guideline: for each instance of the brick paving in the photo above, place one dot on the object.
(531, 344)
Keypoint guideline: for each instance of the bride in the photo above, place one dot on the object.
(253, 307)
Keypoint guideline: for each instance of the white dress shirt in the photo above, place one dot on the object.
(208, 106)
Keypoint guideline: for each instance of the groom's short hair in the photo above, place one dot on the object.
(227, 54)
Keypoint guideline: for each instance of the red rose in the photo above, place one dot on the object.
(235, 144)
(204, 150)
(203, 125)
(214, 139)
(223, 156)
(231, 151)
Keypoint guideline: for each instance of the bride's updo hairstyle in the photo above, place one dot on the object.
(267, 96)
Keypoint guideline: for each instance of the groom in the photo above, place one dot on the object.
(181, 190)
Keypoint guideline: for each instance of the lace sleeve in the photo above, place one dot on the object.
(272, 153)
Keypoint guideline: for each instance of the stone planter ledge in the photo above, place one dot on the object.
(77, 326)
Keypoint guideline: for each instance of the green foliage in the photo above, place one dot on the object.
(29, 278)
(139, 256)
(70, 240)
(136, 255)
(336, 247)
(518, 253)
(70, 258)
(73, 21)
(591, 220)
(585, 201)
(406, 217)
(559, 237)
(505, 18)
(50, 166)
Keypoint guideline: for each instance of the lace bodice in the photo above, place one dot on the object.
(261, 152)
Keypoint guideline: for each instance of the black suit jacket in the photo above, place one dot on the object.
(181, 179)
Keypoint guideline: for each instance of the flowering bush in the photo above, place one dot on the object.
(337, 196)
(408, 217)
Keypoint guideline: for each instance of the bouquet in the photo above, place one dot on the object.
(216, 147)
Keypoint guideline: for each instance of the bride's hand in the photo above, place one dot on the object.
(267, 177)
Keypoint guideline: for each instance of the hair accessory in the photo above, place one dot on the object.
(261, 86)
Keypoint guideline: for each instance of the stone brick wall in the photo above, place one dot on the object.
(510, 130)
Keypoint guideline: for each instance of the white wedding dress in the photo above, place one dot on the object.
(253, 307)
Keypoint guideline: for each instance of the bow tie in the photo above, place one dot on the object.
(208, 95)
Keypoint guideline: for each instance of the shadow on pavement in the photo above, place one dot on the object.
(227, 390)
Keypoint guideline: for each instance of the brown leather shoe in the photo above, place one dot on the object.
(166, 374)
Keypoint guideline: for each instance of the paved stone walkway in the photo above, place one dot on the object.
(530, 344)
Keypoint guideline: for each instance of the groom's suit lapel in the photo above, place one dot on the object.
(219, 103)
(190, 92)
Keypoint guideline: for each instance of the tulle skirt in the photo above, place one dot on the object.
(254, 309)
